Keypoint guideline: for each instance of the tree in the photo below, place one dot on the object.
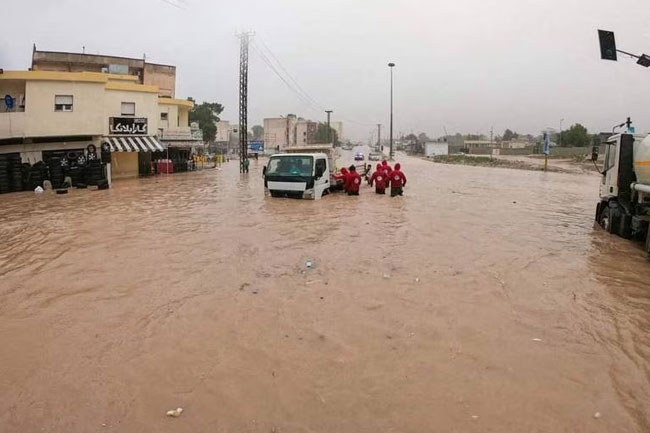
(258, 132)
(411, 137)
(422, 137)
(323, 137)
(576, 136)
(508, 135)
(207, 115)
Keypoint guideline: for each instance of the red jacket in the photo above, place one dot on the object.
(397, 178)
(386, 166)
(343, 176)
(353, 182)
(379, 178)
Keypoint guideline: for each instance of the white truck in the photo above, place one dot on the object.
(624, 207)
(300, 172)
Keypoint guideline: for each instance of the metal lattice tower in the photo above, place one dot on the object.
(243, 100)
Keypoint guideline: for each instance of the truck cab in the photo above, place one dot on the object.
(298, 175)
(624, 206)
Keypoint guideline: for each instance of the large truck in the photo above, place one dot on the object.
(624, 207)
(301, 172)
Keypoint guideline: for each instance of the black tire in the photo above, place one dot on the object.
(81, 186)
(61, 191)
(624, 227)
(605, 218)
(91, 148)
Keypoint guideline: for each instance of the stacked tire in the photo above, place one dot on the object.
(56, 172)
(94, 172)
(4, 175)
(37, 174)
(15, 172)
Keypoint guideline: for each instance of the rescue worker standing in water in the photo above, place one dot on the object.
(397, 181)
(353, 181)
(379, 178)
(344, 177)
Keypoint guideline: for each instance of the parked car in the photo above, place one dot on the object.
(375, 156)
(359, 156)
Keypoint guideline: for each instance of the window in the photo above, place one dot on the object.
(63, 103)
(128, 108)
(321, 165)
(164, 116)
(610, 157)
(290, 166)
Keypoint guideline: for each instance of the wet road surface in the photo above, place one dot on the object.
(484, 300)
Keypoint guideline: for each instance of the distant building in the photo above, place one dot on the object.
(435, 148)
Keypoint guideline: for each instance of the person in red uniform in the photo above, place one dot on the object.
(344, 177)
(353, 182)
(387, 167)
(397, 181)
(379, 178)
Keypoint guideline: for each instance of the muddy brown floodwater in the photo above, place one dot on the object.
(484, 300)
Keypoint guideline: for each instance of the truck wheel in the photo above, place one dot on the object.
(625, 226)
(605, 219)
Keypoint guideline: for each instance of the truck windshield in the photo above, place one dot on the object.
(290, 166)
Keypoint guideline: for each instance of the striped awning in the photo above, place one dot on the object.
(134, 144)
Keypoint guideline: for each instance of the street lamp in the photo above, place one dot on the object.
(390, 154)
(560, 137)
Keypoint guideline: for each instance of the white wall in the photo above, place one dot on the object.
(434, 149)
(146, 105)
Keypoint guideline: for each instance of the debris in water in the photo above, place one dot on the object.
(308, 264)
(474, 416)
(175, 412)
(417, 280)
(38, 190)
(597, 415)
(537, 339)
(386, 276)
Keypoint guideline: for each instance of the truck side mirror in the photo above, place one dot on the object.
(594, 153)
(264, 171)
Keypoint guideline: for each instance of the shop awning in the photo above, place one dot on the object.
(134, 144)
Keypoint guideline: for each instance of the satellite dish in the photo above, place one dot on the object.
(9, 102)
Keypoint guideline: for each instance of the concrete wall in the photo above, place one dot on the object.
(570, 151)
(146, 105)
(41, 119)
(223, 131)
(162, 76)
(276, 131)
(433, 149)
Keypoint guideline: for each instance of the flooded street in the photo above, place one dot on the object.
(484, 300)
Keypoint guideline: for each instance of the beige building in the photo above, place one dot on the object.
(150, 74)
(58, 112)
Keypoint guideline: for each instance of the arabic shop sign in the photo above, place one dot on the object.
(127, 125)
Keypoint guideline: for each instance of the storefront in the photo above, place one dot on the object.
(132, 151)
(132, 156)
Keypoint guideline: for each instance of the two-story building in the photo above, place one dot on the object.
(48, 112)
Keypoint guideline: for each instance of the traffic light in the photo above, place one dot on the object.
(607, 45)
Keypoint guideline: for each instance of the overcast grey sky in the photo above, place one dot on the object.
(464, 64)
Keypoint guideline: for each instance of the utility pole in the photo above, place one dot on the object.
(243, 101)
(491, 134)
(391, 65)
(560, 137)
(329, 130)
(378, 137)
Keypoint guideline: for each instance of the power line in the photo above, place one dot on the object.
(172, 3)
(293, 85)
(290, 76)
